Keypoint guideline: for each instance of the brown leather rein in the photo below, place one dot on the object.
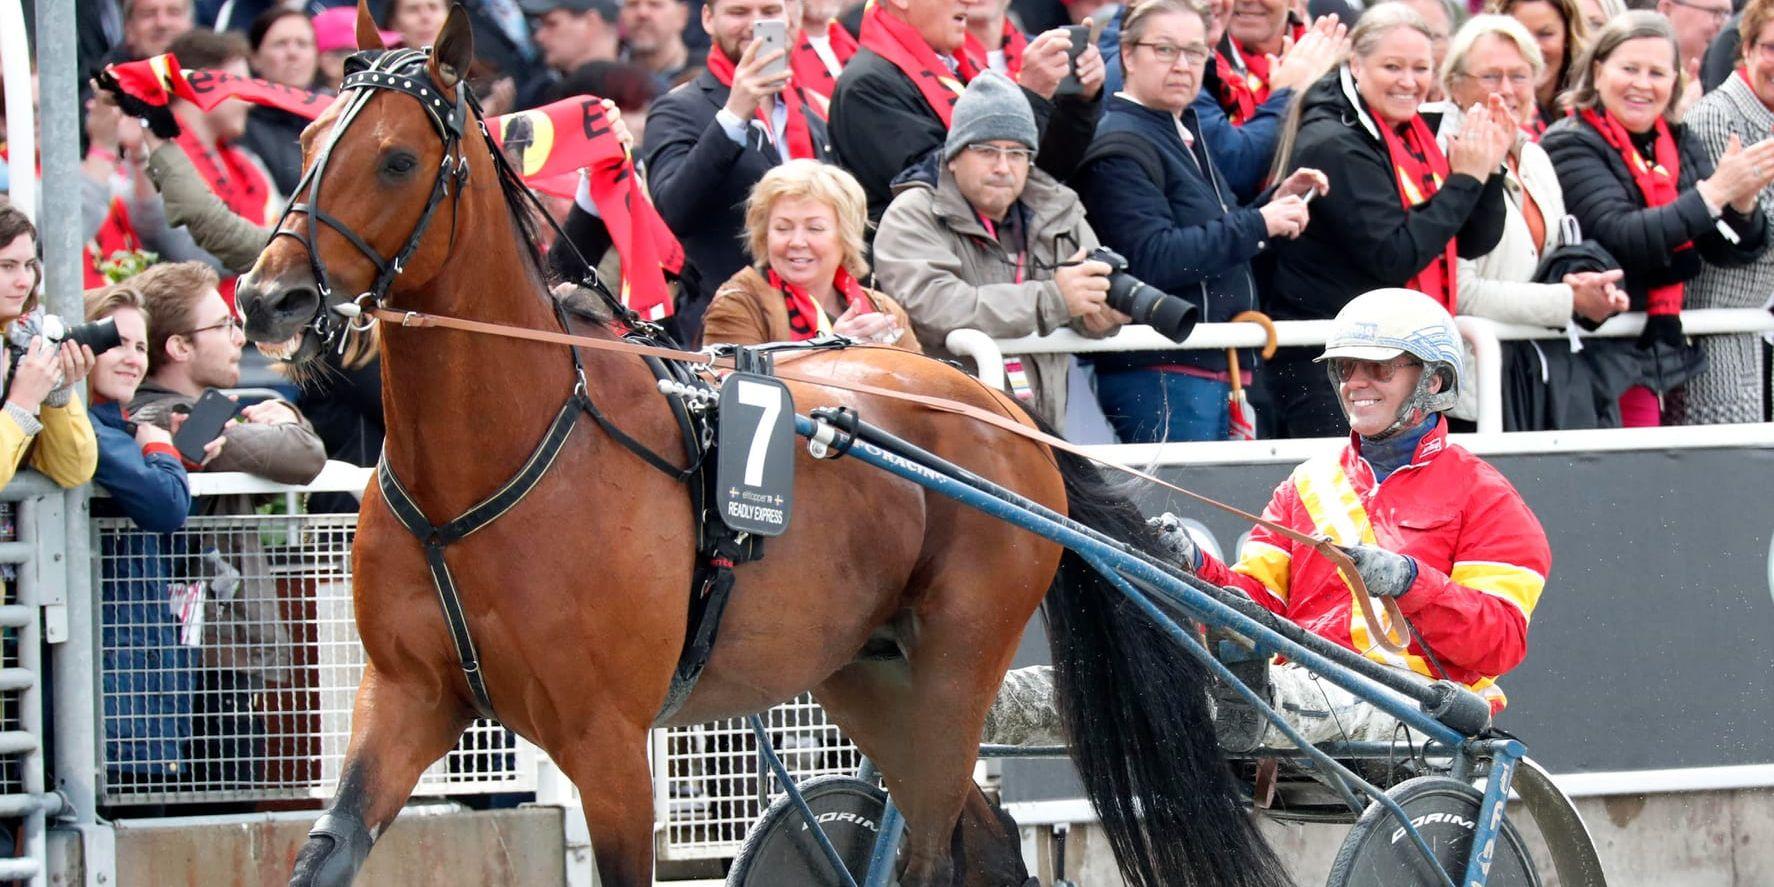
(1387, 639)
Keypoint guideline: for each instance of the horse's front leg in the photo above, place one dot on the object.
(395, 734)
(609, 767)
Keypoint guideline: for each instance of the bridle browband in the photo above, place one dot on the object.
(400, 70)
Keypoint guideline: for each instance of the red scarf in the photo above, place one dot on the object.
(1658, 181)
(1256, 64)
(1015, 46)
(1419, 168)
(800, 140)
(811, 74)
(1236, 96)
(231, 174)
(577, 135)
(804, 313)
(900, 44)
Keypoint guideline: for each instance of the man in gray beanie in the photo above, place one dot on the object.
(979, 238)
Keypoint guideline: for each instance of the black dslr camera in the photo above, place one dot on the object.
(100, 335)
(1167, 314)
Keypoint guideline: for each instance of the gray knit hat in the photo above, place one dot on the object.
(992, 108)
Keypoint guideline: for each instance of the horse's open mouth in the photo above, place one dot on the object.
(285, 349)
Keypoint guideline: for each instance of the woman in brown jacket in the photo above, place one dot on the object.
(804, 229)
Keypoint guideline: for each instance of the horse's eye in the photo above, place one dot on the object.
(399, 164)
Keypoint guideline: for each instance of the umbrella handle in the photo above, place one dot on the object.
(1262, 320)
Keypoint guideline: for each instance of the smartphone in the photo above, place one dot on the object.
(1069, 84)
(204, 424)
(773, 35)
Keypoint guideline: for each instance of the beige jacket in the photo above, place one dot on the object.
(932, 252)
(747, 310)
(234, 241)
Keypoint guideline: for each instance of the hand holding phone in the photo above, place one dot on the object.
(772, 35)
(203, 424)
(1069, 84)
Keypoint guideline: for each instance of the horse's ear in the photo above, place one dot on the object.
(454, 52)
(369, 37)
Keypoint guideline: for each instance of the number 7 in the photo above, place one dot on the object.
(769, 399)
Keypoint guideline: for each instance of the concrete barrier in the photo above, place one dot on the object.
(1686, 839)
(447, 848)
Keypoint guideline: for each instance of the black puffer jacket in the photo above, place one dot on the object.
(1360, 236)
(1600, 193)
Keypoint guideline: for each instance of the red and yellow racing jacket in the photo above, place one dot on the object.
(1482, 558)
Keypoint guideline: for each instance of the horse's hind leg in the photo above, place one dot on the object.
(921, 726)
(395, 735)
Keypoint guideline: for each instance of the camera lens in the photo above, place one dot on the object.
(1170, 316)
(100, 335)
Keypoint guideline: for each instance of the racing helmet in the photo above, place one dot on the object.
(1382, 324)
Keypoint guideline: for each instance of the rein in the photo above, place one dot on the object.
(1388, 639)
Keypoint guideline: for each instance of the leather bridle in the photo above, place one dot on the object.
(404, 71)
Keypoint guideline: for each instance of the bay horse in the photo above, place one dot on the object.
(900, 610)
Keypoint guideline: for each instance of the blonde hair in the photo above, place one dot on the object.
(1489, 25)
(810, 180)
(1635, 25)
(1364, 41)
(105, 300)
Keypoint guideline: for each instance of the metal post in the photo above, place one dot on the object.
(77, 700)
(58, 86)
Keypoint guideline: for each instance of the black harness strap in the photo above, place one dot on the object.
(437, 537)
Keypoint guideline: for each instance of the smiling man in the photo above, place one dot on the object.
(1427, 524)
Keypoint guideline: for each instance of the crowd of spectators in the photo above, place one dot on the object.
(1239, 154)
(906, 168)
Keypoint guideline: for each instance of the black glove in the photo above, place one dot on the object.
(1662, 329)
(159, 118)
(1176, 539)
(1385, 573)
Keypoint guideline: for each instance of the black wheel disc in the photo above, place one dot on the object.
(1378, 852)
(781, 849)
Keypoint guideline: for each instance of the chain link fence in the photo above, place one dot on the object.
(709, 786)
(230, 661)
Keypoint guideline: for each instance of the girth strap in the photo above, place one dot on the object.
(436, 537)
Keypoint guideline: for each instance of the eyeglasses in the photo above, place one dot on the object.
(994, 153)
(1380, 371)
(1166, 53)
(1765, 50)
(231, 323)
(1495, 79)
(1717, 15)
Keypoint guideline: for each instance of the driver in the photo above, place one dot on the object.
(1426, 522)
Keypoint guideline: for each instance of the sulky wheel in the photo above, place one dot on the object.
(780, 850)
(1377, 853)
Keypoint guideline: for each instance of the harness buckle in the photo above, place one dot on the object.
(359, 312)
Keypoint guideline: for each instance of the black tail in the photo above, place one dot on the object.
(1137, 713)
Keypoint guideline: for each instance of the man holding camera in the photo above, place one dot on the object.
(978, 238)
(895, 101)
(709, 141)
(194, 344)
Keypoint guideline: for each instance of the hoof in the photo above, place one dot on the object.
(337, 846)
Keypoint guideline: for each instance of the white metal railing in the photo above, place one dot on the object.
(1485, 337)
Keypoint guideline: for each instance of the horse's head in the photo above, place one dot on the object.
(384, 163)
